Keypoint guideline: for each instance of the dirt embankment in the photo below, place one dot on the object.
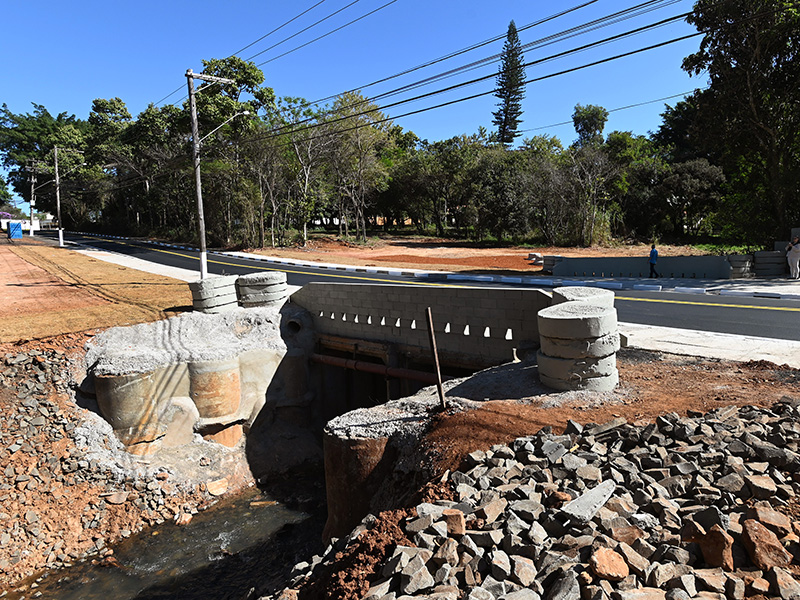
(447, 255)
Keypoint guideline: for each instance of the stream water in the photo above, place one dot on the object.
(227, 551)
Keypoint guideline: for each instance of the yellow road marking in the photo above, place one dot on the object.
(714, 304)
(262, 268)
(373, 279)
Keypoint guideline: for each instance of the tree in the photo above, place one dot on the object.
(751, 53)
(589, 122)
(510, 88)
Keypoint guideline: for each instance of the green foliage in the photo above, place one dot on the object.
(510, 88)
(750, 115)
(589, 122)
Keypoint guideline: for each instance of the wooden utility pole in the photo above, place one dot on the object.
(58, 200)
(201, 221)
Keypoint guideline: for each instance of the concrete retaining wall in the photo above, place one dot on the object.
(701, 267)
(485, 324)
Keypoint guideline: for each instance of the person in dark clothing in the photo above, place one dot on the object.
(653, 260)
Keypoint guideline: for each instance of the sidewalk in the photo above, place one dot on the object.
(665, 339)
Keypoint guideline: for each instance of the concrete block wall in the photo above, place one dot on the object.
(484, 323)
(692, 267)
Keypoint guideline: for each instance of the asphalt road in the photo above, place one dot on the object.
(761, 317)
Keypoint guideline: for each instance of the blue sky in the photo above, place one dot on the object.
(65, 54)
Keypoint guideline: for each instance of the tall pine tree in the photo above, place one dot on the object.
(510, 88)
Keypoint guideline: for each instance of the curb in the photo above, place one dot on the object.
(450, 276)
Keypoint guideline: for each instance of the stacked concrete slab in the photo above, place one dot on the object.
(214, 294)
(579, 340)
(741, 265)
(550, 261)
(769, 263)
(262, 289)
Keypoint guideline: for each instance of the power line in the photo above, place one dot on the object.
(278, 28)
(372, 12)
(552, 57)
(570, 122)
(500, 37)
(613, 18)
(266, 35)
(478, 95)
(294, 35)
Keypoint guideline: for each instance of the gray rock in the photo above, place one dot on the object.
(565, 587)
(584, 507)
(415, 577)
(480, 594)
(782, 584)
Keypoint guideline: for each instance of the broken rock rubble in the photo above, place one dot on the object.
(683, 507)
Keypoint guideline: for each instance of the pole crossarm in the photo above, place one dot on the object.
(210, 78)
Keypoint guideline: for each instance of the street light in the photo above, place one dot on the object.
(201, 222)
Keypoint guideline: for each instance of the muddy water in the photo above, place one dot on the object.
(229, 551)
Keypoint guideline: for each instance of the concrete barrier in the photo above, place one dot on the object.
(474, 326)
(687, 267)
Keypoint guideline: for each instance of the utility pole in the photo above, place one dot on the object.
(58, 200)
(58, 193)
(201, 222)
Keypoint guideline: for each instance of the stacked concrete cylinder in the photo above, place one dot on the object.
(262, 289)
(214, 294)
(579, 340)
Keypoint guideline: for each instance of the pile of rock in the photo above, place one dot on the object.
(684, 507)
(579, 340)
(262, 289)
(58, 502)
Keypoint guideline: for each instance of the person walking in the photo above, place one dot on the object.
(653, 260)
(793, 257)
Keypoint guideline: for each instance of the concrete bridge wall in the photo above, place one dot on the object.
(485, 324)
(702, 267)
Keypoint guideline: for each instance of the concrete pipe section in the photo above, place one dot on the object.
(262, 289)
(579, 340)
(214, 294)
(159, 383)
